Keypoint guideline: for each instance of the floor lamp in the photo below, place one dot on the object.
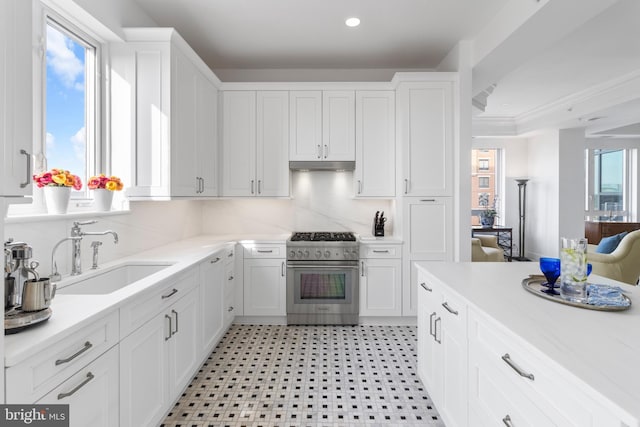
(522, 205)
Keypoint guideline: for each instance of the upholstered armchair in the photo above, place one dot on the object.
(623, 264)
(484, 248)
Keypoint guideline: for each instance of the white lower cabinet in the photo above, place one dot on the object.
(211, 299)
(229, 290)
(442, 350)
(92, 393)
(264, 287)
(380, 280)
(157, 361)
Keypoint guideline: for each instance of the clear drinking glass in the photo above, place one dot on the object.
(573, 262)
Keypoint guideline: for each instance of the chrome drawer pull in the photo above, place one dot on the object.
(28, 175)
(507, 421)
(213, 261)
(516, 368)
(427, 200)
(176, 314)
(377, 251)
(170, 294)
(90, 376)
(435, 330)
(230, 309)
(230, 255)
(431, 316)
(87, 346)
(230, 277)
(425, 287)
(449, 309)
(166, 316)
(265, 251)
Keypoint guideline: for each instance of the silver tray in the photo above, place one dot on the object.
(534, 283)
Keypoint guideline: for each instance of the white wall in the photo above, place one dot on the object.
(320, 201)
(148, 225)
(571, 182)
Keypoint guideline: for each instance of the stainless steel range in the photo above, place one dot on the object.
(322, 278)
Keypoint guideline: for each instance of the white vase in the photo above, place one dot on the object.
(102, 199)
(57, 199)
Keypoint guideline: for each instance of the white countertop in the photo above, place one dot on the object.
(72, 312)
(600, 348)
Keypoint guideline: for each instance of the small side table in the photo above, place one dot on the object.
(503, 235)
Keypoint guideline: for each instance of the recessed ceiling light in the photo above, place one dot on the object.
(352, 22)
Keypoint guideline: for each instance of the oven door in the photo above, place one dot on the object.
(322, 288)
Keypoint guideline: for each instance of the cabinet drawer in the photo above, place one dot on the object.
(34, 377)
(144, 307)
(264, 251)
(526, 371)
(92, 393)
(380, 251)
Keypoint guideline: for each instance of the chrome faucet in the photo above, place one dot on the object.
(76, 235)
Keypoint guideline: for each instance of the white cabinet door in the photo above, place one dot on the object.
(92, 393)
(429, 226)
(425, 136)
(272, 143)
(211, 299)
(338, 125)
(239, 143)
(207, 137)
(375, 173)
(184, 348)
(144, 367)
(183, 126)
(264, 287)
(381, 287)
(16, 113)
(428, 298)
(305, 125)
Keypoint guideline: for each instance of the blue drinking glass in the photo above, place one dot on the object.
(550, 267)
(589, 268)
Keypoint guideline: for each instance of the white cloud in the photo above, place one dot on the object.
(60, 56)
(79, 142)
(50, 140)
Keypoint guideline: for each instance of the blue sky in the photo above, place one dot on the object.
(65, 103)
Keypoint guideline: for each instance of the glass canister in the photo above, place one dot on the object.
(573, 264)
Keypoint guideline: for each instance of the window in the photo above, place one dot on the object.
(71, 109)
(608, 183)
(486, 185)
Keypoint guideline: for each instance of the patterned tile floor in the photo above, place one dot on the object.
(276, 375)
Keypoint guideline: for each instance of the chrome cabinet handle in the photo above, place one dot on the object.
(449, 309)
(406, 186)
(282, 269)
(252, 182)
(516, 368)
(326, 151)
(197, 184)
(431, 316)
(89, 377)
(28, 180)
(319, 151)
(259, 185)
(230, 254)
(361, 268)
(166, 316)
(359, 187)
(379, 251)
(170, 294)
(435, 330)
(230, 278)
(175, 313)
(428, 200)
(265, 251)
(425, 287)
(507, 421)
(87, 346)
(213, 261)
(230, 309)
(201, 185)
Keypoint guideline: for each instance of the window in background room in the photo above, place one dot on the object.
(70, 106)
(486, 177)
(607, 183)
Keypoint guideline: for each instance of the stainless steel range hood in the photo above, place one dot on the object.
(310, 165)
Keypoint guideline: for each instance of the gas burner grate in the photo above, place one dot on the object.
(323, 236)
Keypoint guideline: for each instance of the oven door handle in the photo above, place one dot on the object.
(333, 267)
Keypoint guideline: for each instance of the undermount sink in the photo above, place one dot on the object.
(110, 279)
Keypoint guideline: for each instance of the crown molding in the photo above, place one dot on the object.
(493, 127)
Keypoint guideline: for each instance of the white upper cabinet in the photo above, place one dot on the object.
(322, 126)
(164, 102)
(338, 125)
(306, 125)
(16, 116)
(375, 171)
(255, 129)
(425, 138)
